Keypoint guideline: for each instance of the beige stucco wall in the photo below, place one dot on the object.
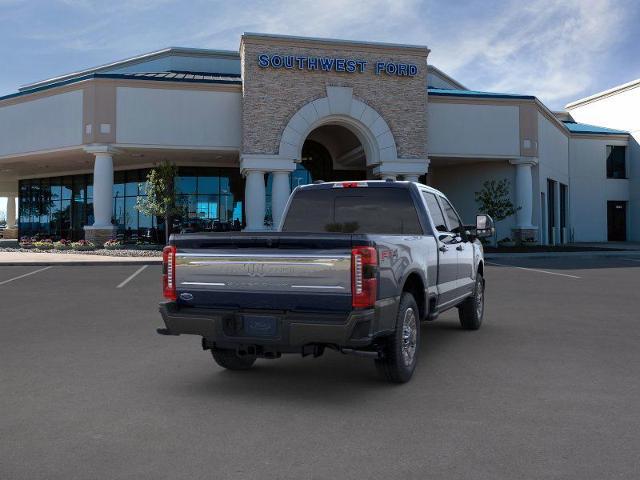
(50, 122)
(272, 96)
(178, 117)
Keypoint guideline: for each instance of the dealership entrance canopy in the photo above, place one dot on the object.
(246, 127)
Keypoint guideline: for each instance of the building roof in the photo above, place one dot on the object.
(474, 93)
(436, 71)
(132, 61)
(176, 75)
(604, 93)
(585, 128)
(171, 76)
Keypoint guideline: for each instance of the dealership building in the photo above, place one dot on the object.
(246, 127)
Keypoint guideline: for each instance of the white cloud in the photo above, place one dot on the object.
(546, 48)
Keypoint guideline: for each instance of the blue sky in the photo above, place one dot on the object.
(557, 50)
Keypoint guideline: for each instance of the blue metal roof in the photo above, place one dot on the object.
(188, 77)
(444, 92)
(575, 127)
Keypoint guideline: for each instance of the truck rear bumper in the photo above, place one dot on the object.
(283, 331)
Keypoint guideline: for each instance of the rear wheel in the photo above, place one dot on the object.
(231, 361)
(400, 352)
(471, 311)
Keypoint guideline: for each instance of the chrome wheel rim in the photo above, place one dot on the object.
(409, 336)
(480, 300)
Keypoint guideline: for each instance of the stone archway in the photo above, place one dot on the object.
(339, 107)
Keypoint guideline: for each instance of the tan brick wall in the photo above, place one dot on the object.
(271, 96)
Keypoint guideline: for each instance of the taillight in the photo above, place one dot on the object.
(169, 272)
(364, 284)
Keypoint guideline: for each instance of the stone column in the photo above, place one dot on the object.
(280, 191)
(11, 212)
(11, 232)
(102, 228)
(409, 169)
(254, 166)
(524, 230)
(255, 200)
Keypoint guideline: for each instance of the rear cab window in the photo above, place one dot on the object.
(373, 210)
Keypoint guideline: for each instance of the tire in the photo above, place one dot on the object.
(471, 311)
(231, 361)
(401, 350)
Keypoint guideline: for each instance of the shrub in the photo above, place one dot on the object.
(113, 244)
(26, 242)
(46, 244)
(62, 245)
(83, 245)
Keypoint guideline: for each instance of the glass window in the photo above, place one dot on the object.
(119, 213)
(79, 188)
(186, 185)
(455, 226)
(357, 210)
(90, 186)
(131, 185)
(131, 214)
(208, 185)
(118, 184)
(67, 189)
(436, 212)
(616, 165)
(55, 186)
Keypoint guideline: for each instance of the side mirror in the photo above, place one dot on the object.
(484, 226)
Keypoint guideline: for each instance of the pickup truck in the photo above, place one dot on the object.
(354, 267)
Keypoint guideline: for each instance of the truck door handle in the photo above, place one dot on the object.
(459, 248)
(443, 248)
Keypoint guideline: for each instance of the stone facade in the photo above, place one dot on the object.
(272, 96)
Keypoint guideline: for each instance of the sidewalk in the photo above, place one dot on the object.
(36, 259)
(615, 249)
(635, 254)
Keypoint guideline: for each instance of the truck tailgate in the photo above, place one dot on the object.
(268, 271)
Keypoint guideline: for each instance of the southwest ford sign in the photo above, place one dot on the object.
(333, 64)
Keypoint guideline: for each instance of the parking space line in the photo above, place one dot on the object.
(25, 275)
(132, 276)
(533, 270)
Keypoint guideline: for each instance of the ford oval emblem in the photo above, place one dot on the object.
(186, 296)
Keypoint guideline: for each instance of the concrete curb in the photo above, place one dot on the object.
(617, 253)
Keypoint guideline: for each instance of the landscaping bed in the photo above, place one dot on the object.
(127, 252)
(112, 248)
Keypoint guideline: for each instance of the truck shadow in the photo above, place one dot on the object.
(334, 378)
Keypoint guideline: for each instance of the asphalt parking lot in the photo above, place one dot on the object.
(548, 388)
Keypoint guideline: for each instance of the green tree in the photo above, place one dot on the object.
(495, 199)
(160, 199)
